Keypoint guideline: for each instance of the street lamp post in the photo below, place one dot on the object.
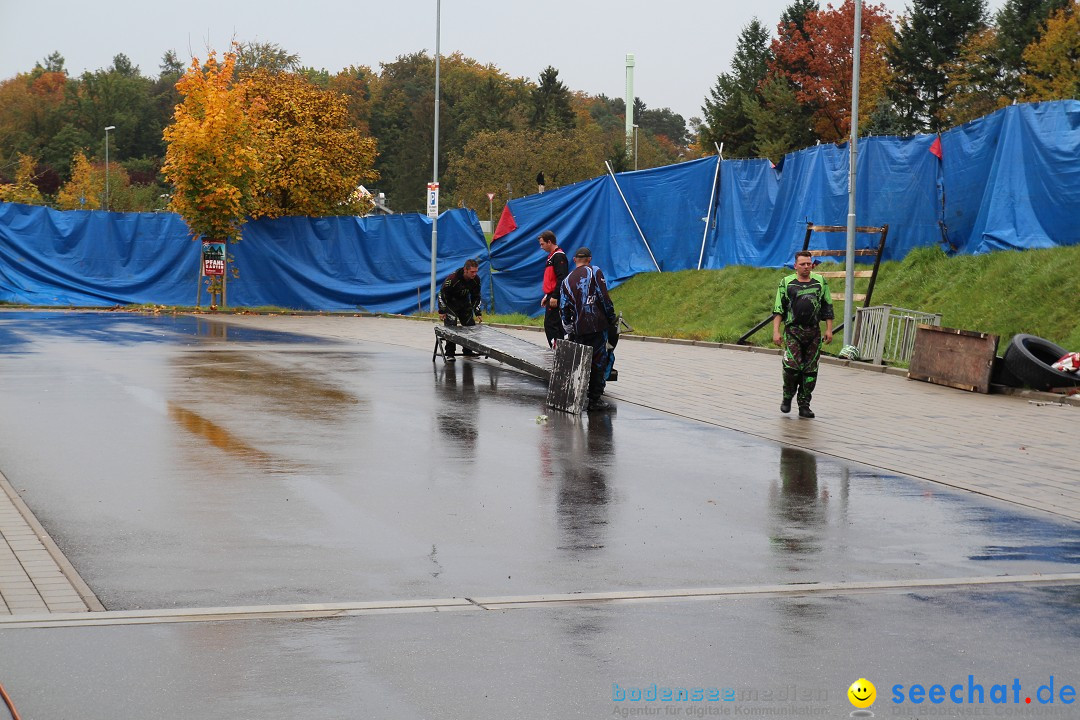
(435, 164)
(107, 129)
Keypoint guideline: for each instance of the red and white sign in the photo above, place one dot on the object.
(491, 196)
(433, 199)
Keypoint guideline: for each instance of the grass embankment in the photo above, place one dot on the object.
(1004, 293)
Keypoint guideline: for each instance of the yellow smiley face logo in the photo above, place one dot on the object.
(862, 693)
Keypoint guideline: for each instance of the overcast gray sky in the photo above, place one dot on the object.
(680, 46)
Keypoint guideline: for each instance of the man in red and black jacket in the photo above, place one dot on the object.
(555, 271)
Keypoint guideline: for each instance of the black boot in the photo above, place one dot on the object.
(805, 411)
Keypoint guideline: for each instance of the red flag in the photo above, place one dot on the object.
(935, 148)
(506, 224)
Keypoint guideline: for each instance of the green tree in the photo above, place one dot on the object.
(122, 97)
(402, 118)
(928, 43)
(31, 113)
(473, 98)
(779, 119)
(608, 113)
(268, 56)
(663, 122)
(505, 162)
(551, 103)
(726, 118)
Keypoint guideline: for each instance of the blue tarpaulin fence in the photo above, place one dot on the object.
(1010, 180)
(89, 258)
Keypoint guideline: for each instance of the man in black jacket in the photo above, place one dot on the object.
(460, 302)
(587, 313)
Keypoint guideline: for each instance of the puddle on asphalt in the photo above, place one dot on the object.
(20, 329)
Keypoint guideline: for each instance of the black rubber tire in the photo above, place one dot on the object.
(1028, 359)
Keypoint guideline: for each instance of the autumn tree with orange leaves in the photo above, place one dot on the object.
(213, 151)
(817, 60)
(312, 159)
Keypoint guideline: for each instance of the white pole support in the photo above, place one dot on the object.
(612, 174)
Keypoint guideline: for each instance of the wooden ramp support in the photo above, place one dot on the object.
(566, 372)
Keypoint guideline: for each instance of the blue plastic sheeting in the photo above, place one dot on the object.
(588, 213)
(90, 258)
(374, 264)
(670, 204)
(1012, 179)
(896, 183)
(746, 197)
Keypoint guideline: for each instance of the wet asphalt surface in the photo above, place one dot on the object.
(179, 463)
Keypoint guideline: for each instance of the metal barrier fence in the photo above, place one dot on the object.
(884, 332)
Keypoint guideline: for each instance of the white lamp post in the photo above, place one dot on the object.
(435, 165)
(107, 129)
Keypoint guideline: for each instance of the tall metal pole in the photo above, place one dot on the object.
(849, 264)
(629, 102)
(107, 129)
(435, 165)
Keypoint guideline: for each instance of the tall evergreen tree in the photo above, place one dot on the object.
(726, 118)
(551, 103)
(928, 41)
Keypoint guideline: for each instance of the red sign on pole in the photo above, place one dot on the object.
(491, 196)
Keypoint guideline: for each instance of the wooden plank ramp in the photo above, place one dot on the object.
(567, 378)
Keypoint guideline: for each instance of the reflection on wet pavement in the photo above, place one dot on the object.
(583, 483)
(798, 504)
(238, 376)
(458, 406)
(220, 438)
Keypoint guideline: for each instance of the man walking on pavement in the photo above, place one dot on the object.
(460, 302)
(802, 302)
(587, 313)
(556, 269)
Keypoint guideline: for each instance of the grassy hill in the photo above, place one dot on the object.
(1005, 293)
